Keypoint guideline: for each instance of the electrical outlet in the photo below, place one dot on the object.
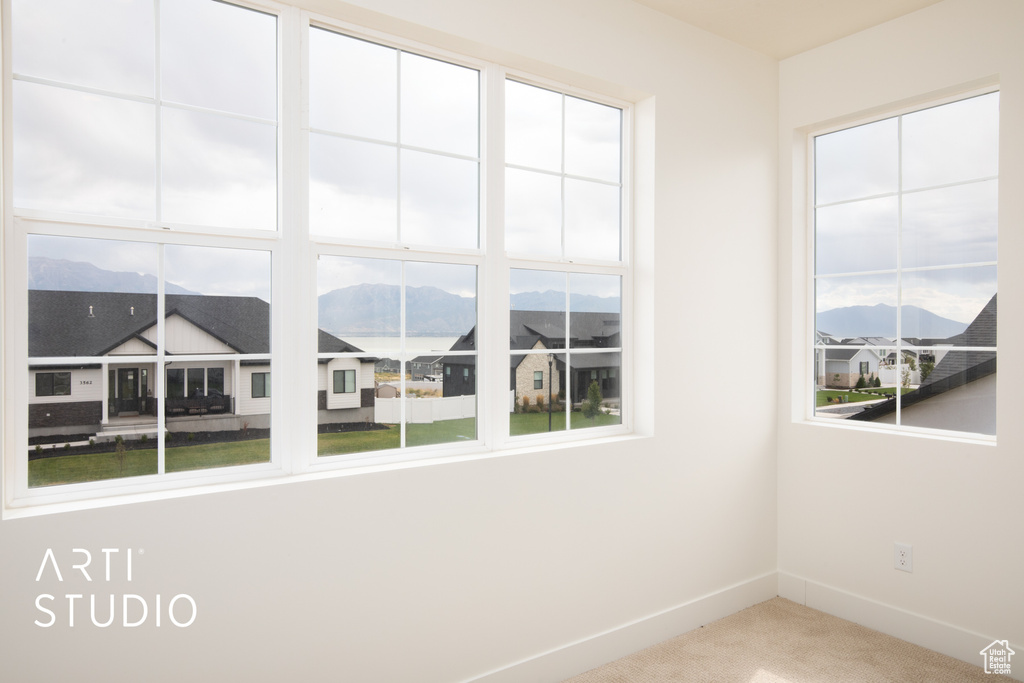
(904, 558)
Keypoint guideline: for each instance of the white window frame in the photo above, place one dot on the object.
(293, 254)
(809, 388)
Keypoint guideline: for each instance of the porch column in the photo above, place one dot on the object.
(235, 383)
(105, 383)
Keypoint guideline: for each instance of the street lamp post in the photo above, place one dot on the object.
(551, 360)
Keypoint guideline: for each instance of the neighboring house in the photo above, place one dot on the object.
(198, 395)
(960, 392)
(426, 367)
(388, 365)
(844, 366)
(529, 374)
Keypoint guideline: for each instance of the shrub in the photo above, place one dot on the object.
(120, 453)
(143, 438)
(592, 406)
(861, 383)
(878, 382)
(92, 442)
(191, 436)
(39, 449)
(526, 403)
(926, 369)
(540, 402)
(67, 446)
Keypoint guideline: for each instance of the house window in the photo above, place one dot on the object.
(214, 381)
(176, 194)
(344, 381)
(53, 384)
(196, 381)
(905, 258)
(175, 383)
(864, 368)
(538, 379)
(261, 385)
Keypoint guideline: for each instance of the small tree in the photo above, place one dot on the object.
(592, 406)
(861, 383)
(120, 453)
(926, 369)
(878, 382)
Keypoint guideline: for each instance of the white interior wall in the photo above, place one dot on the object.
(846, 496)
(449, 571)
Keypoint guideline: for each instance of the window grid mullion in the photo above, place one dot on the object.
(899, 271)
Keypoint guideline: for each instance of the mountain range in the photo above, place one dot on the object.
(79, 276)
(880, 321)
(366, 310)
(372, 310)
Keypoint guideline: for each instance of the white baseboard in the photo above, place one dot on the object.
(924, 631)
(592, 651)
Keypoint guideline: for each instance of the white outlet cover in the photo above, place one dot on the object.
(903, 557)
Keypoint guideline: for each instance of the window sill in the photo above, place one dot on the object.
(34, 507)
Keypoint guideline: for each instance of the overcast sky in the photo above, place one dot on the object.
(946, 216)
(217, 160)
(208, 155)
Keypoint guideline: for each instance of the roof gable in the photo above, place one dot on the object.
(97, 323)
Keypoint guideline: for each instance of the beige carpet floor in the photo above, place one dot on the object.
(779, 641)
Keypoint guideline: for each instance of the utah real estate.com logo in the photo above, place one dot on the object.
(115, 567)
(997, 657)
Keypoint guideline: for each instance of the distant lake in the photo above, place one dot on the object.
(413, 344)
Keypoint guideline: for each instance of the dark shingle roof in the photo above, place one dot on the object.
(587, 329)
(955, 369)
(841, 354)
(94, 323)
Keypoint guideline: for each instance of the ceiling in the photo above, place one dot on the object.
(783, 28)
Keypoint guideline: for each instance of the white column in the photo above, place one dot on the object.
(235, 380)
(105, 382)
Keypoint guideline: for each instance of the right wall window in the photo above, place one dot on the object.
(905, 263)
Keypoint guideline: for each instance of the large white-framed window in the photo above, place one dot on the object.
(142, 230)
(567, 236)
(342, 216)
(905, 212)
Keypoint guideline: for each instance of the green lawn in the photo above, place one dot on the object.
(78, 468)
(536, 423)
(358, 442)
(446, 431)
(223, 454)
(74, 469)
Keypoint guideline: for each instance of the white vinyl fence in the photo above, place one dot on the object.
(887, 375)
(424, 410)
